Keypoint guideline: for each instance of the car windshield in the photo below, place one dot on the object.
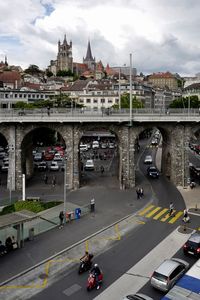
(192, 244)
(160, 277)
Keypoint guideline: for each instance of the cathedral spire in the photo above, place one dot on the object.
(65, 39)
(89, 53)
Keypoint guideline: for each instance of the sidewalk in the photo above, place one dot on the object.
(191, 198)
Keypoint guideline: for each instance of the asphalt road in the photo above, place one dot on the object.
(124, 253)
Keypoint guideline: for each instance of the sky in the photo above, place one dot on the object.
(162, 35)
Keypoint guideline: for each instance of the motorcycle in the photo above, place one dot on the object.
(91, 283)
(85, 265)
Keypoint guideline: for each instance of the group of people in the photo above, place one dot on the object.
(140, 193)
(10, 244)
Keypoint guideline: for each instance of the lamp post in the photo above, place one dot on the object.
(120, 89)
(131, 102)
(23, 187)
(65, 195)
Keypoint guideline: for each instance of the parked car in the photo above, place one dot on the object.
(111, 145)
(5, 167)
(104, 145)
(89, 165)
(192, 246)
(42, 166)
(137, 296)
(3, 154)
(37, 156)
(83, 147)
(95, 145)
(54, 166)
(57, 157)
(48, 156)
(152, 172)
(148, 159)
(168, 273)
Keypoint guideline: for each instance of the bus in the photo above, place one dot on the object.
(188, 287)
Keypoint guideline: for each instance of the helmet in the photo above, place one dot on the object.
(95, 265)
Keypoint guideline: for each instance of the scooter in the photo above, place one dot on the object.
(91, 283)
(85, 266)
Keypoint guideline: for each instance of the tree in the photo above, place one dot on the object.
(125, 102)
(64, 73)
(192, 102)
(49, 73)
(33, 70)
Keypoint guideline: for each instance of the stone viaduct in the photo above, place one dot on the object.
(176, 130)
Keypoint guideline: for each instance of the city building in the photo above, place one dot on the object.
(89, 60)
(163, 80)
(192, 90)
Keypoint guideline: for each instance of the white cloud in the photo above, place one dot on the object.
(162, 35)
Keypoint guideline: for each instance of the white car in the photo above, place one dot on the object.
(95, 145)
(89, 165)
(83, 147)
(5, 167)
(111, 145)
(38, 156)
(54, 166)
(148, 160)
(57, 157)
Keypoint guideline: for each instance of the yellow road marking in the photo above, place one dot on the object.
(162, 212)
(180, 213)
(143, 212)
(117, 232)
(167, 217)
(140, 222)
(153, 212)
(87, 246)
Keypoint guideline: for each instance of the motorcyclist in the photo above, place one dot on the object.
(96, 271)
(87, 257)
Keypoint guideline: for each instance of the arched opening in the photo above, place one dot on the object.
(153, 153)
(42, 158)
(99, 157)
(4, 161)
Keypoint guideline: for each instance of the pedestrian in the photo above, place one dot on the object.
(171, 208)
(186, 217)
(61, 217)
(92, 205)
(45, 179)
(48, 110)
(141, 192)
(54, 181)
(102, 170)
(138, 193)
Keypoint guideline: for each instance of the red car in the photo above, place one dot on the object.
(48, 156)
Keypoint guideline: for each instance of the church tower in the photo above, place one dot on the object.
(64, 57)
(89, 60)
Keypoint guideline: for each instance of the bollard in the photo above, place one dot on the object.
(196, 207)
(184, 227)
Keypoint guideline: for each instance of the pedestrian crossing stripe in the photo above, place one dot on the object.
(143, 212)
(162, 212)
(153, 212)
(180, 213)
(163, 215)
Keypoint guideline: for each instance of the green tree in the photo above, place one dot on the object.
(33, 70)
(192, 101)
(49, 73)
(64, 73)
(125, 102)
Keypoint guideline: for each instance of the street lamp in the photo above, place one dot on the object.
(131, 103)
(65, 178)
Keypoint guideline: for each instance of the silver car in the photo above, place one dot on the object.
(167, 274)
(137, 296)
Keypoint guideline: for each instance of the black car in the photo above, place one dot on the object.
(152, 172)
(42, 166)
(192, 246)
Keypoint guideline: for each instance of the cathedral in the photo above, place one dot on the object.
(64, 61)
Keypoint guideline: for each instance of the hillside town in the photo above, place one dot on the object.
(90, 84)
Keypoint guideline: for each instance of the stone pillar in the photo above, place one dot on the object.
(179, 155)
(127, 138)
(12, 166)
(18, 156)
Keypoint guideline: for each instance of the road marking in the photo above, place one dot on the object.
(137, 276)
(160, 213)
(153, 212)
(86, 245)
(143, 212)
(176, 217)
(165, 218)
(72, 289)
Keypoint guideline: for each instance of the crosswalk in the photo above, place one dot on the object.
(160, 214)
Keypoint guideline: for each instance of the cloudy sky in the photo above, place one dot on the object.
(162, 35)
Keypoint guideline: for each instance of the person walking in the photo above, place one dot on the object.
(138, 193)
(186, 218)
(141, 192)
(54, 181)
(171, 208)
(102, 170)
(45, 179)
(61, 217)
(48, 110)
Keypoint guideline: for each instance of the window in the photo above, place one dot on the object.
(102, 100)
(109, 101)
(88, 100)
(95, 101)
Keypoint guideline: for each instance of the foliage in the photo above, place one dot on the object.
(192, 102)
(49, 73)
(125, 102)
(64, 73)
(28, 205)
(33, 70)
